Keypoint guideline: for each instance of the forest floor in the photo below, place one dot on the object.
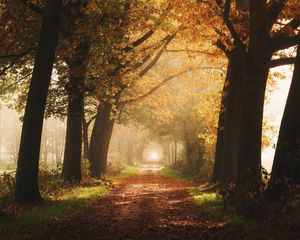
(152, 206)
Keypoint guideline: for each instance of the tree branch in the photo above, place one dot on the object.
(189, 51)
(282, 61)
(148, 34)
(273, 12)
(282, 42)
(222, 46)
(293, 24)
(15, 83)
(17, 55)
(88, 123)
(154, 89)
(139, 41)
(148, 56)
(229, 24)
(157, 57)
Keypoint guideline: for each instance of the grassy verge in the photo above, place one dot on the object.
(127, 171)
(213, 205)
(23, 222)
(171, 173)
(27, 221)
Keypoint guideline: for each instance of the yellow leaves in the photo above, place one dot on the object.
(92, 7)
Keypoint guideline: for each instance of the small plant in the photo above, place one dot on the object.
(7, 187)
(113, 169)
(248, 197)
(87, 180)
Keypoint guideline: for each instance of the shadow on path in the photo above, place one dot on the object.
(148, 206)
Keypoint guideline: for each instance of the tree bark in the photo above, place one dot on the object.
(239, 146)
(253, 91)
(85, 137)
(286, 163)
(220, 132)
(75, 88)
(27, 190)
(226, 158)
(100, 139)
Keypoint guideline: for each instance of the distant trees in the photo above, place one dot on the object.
(27, 170)
(128, 59)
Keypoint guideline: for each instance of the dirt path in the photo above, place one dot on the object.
(148, 206)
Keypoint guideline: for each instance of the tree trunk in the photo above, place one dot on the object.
(75, 88)
(44, 156)
(0, 135)
(175, 152)
(85, 136)
(100, 139)
(168, 153)
(287, 156)
(27, 190)
(226, 158)
(253, 92)
(220, 133)
(129, 154)
(247, 74)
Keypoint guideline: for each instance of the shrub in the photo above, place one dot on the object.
(252, 196)
(113, 169)
(50, 181)
(7, 186)
(248, 197)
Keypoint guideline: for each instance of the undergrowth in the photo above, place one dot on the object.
(60, 199)
(176, 175)
(212, 203)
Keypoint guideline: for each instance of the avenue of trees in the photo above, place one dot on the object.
(97, 63)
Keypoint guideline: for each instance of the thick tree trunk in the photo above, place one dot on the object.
(27, 190)
(253, 91)
(287, 156)
(75, 88)
(220, 133)
(226, 165)
(239, 146)
(100, 139)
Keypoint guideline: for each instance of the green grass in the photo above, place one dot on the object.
(213, 205)
(31, 219)
(171, 173)
(127, 171)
